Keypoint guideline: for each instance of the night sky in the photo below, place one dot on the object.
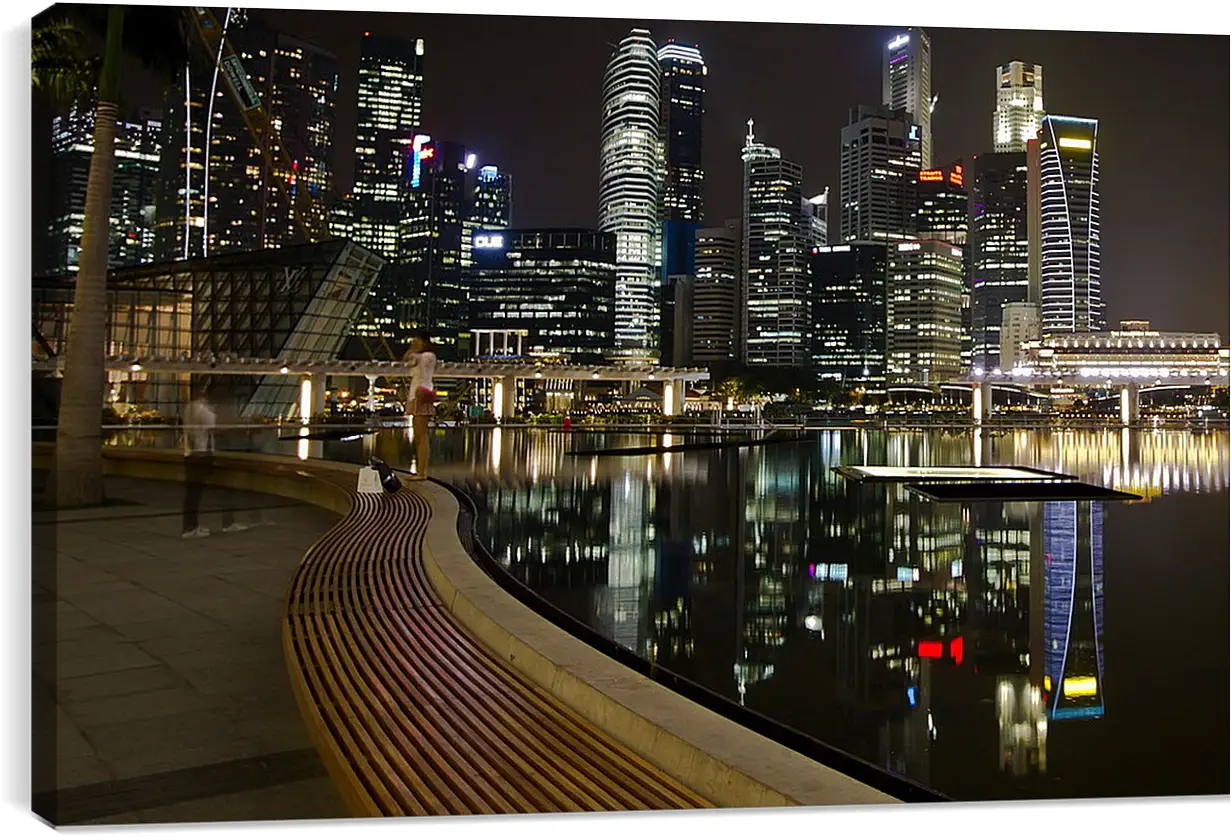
(524, 93)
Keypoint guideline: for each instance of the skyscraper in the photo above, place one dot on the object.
(715, 322)
(230, 198)
(847, 294)
(137, 152)
(390, 113)
(682, 106)
(558, 285)
(906, 83)
(942, 214)
(1068, 215)
(880, 161)
(1019, 106)
(999, 249)
(491, 208)
(777, 245)
(924, 312)
(629, 182)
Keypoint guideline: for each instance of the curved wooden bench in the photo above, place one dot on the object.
(415, 716)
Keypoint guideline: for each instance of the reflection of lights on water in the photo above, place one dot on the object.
(497, 434)
(304, 446)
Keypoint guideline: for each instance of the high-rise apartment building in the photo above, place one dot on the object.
(131, 231)
(629, 185)
(232, 198)
(880, 161)
(906, 83)
(1019, 106)
(924, 312)
(999, 251)
(558, 285)
(777, 245)
(847, 284)
(390, 112)
(715, 295)
(1067, 213)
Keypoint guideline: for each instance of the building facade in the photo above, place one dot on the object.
(1019, 325)
(231, 198)
(558, 285)
(133, 189)
(682, 108)
(942, 213)
(1071, 294)
(1019, 106)
(999, 249)
(847, 286)
(906, 83)
(777, 244)
(924, 312)
(491, 207)
(1135, 350)
(390, 113)
(629, 185)
(715, 295)
(881, 159)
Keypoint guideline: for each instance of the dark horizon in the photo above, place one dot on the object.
(1163, 226)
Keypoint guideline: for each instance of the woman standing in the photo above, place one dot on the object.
(422, 396)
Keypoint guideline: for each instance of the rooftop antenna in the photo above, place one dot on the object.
(932, 106)
(749, 138)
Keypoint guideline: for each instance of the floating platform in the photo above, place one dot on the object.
(992, 483)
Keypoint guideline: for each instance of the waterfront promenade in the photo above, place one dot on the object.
(163, 683)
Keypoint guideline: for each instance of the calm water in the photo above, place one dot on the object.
(987, 650)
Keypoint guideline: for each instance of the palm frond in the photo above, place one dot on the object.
(61, 69)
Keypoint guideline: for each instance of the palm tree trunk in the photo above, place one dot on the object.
(76, 477)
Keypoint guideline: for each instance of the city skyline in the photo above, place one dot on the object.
(749, 76)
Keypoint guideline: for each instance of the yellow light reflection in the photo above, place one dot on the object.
(1077, 687)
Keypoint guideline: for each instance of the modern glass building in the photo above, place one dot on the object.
(630, 172)
(558, 285)
(133, 189)
(906, 83)
(390, 112)
(293, 303)
(778, 241)
(924, 312)
(880, 162)
(942, 214)
(847, 285)
(1071, 294)
(999, 249)
(715, 295)
(682, 107)
(491, 206)
(1019, 106)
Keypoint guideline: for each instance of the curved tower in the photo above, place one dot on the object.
(628, 190)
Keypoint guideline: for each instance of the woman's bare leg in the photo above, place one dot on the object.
(422, 449)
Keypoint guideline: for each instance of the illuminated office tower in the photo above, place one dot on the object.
(390, 111)
(847, 294)
(1065, 204)
(558, 285)
(924, 312)
(231, 198)
(491, 207)
(715, 338)
(942, 214)
(1019, 106)
(776, 248)
(629, 183)
(999, 250)
(880, 162)
(906, 83)
(1019, 322)
(137, 152)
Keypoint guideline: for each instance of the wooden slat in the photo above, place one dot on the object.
(413, 714)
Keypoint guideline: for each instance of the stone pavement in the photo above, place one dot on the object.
(160, 690)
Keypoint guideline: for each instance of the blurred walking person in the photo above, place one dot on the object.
(422, 397)
(200, 421)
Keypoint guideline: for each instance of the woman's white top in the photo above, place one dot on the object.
(424, 369)
(199, 421)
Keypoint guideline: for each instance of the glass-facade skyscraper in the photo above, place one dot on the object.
(137, 152)
(1069, 272)
(1019, 106)
(557, 284)
(629, 186)
(715, 322)
(906, 83)
(880, 161)
(942, 214)
(778, 241)
(924, 312)
(999, 249)
(847, 284)
(390, 103)
(491, 207)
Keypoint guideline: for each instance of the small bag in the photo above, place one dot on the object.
(425, 394)
(388, 480)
